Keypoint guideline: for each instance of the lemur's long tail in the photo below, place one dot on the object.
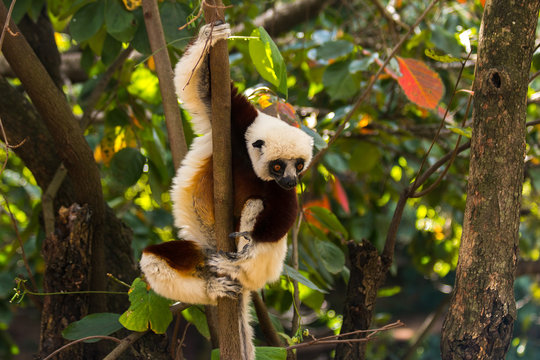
(246, 331)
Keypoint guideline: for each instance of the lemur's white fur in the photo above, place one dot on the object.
(255, 263)
(281, 141)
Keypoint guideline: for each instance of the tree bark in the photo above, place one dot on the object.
(67, 256)
(480, 320)
(228, 309)
(367, 275)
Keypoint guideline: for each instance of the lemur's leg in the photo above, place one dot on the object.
(191, 75)
(228, 262)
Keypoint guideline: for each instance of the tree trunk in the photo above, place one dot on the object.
(367, 274)
(480, 320)
(67, 256)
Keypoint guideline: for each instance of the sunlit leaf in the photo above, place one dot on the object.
(197, 317)
(467, 131)
(441, 57)
(92, 325)
(147, 310)
(295, 275)
(422, 85)
(267, 59)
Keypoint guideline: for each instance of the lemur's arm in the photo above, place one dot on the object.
(192, 75)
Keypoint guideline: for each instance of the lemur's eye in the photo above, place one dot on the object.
(299, 166)
(277, 167)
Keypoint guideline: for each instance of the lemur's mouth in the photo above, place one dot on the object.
(287, 183)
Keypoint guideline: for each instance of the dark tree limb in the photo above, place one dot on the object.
(66, 133)
(171, 109)
(481, 317)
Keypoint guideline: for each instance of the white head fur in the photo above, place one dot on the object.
(281, 141)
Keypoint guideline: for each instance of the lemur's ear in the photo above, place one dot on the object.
(258, 144)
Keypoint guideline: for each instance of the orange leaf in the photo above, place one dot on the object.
(340, 195)
(324, 202)
(422, 85)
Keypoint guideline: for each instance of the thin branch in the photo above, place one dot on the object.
(388, 16)
(269, 332)
(179, 355)
(173, 119)
(368, 89)
(102, 337)
(335, 339)
(124, 344)
(296, 291)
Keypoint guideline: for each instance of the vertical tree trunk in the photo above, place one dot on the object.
(367, 274)
(480, 320)
(67, 255)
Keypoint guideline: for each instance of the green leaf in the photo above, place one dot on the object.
(145, 85)
(334, 49)
(261, 353)
(140, 39)
(147, 310)
(328, 220)
(111, 49)
(127, 166)
(466, 131)
(295, 275)
(19, 9)
(121, 24)
(87, 21)
(116, 117)
(267, 59)
(389, 291)
(172, 14)
(331, 255)
(339, 83)
(197, 317)
(91, 325)
(318, 141)
(441, 57)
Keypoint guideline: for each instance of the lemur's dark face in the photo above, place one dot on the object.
(285, 172)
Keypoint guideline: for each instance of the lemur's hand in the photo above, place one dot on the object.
(222, 286)
(219, 31)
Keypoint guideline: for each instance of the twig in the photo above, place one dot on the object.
(334, 339)
(6, 24)
(268, 330)
(103, 337)
(179, 355)
(368, 89)
(124, 344)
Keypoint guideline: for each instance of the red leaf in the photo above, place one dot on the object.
(422, 85)
(340, 195)
(323, 202)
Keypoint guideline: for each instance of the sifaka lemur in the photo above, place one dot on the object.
(267, 156)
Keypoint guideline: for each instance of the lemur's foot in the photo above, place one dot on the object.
(223, 286)
(244, 245)
(219, 31)
(222, 265)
